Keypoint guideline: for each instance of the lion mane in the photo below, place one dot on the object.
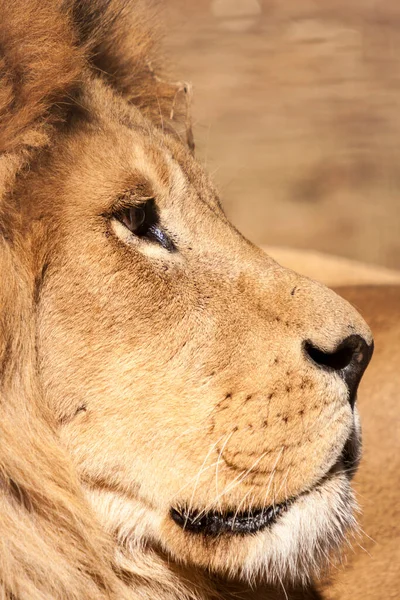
(50, 544)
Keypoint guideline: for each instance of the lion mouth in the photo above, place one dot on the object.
(213, 523)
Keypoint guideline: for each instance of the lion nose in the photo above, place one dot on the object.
(349, 360)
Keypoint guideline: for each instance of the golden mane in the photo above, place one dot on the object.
(50, 543)
(46, 48)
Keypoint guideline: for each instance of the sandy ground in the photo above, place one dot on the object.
(297, 116)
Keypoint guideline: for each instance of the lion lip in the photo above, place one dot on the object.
(213, 523)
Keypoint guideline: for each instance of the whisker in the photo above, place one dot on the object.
(283, 482)
(234, 483)
(192, 478)
(199, 475)
(283, 587)
(219, 458)
(361, 530)
(364, 549)
(189, 430)
(272, 475)
(241, 504)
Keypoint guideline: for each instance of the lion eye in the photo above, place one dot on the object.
(133, 218)
(143, 222)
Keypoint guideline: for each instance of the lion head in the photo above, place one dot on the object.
(169, 391)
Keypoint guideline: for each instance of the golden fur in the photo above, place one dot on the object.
(136, 379)
(372, 570)
(370, 567)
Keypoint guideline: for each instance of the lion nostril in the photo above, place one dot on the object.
(349, 360)
(337, 360)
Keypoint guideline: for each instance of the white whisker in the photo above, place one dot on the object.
(199, 475)
(219, 459)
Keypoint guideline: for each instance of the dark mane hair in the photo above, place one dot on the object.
(46, 47)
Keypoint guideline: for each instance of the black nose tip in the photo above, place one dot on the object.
(349, 360)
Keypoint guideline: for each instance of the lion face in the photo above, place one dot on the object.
(204, 393)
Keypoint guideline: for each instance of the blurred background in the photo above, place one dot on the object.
(297, 117)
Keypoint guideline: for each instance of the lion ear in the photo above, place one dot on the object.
(121, 38)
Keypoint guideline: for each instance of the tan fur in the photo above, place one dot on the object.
(372, 570)
(135, 379)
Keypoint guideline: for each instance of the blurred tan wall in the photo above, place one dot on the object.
(297, 116)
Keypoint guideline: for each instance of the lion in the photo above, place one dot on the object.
(178, 411)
